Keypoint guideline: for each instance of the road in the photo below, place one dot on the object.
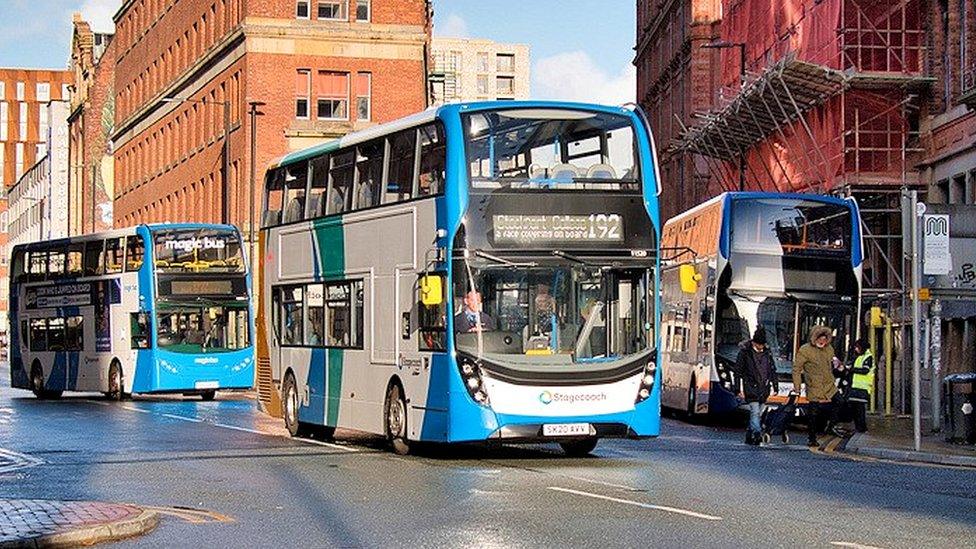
(697, 485)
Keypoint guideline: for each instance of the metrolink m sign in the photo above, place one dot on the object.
(936, 257)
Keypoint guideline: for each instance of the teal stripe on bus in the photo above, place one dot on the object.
(333, 387)
(331, 244)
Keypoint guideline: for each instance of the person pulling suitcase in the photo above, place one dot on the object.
(757, 372)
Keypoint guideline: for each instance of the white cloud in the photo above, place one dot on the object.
(574, 76)
(99, 14)
(454, 27)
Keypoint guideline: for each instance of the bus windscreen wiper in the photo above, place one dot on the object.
(503, 261)
(571, 257)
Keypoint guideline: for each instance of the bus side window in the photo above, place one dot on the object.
(38, 265)
(18, 266)
(114, 250)
(55, 334)
(432, 322)
(74, 333)
(320, 182)
(433, 160)
(344, 315)
(296, 178)
(75, 259)
(93, 257)
(38, 334)
(292, 315)
(139, 330)
(274, 195)
(369, 167)
(400, 178)
(340, 187)
(135, 252)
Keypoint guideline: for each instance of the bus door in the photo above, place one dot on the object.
(837, 317)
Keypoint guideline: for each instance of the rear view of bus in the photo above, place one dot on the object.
(782, 262)
(148, 309)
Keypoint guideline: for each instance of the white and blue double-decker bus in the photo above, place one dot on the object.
(746, 260)
(475, 272)
(148, 309)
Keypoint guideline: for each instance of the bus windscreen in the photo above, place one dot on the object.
(791, 227)
(551, 149)
(198, 251)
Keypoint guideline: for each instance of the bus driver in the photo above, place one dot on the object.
(467, 319)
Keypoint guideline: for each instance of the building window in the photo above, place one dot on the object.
(19, 160)
(65, 92)
(332, 10)
(43, 91)
(4, 121)
(301, 9)
(333, 95)
(301, 93)
(3, 90)
(363, 94)
(20, 91)
(42, 120)
(482, 84)
(505, 85)
(362, 10)
(505, 62)
(483, 61)
(23, 121)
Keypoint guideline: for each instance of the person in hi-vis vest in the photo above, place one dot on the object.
(862, 384)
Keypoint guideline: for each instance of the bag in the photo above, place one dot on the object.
(776, 421)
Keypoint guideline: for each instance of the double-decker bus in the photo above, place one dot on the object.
(148, 309)
(743, 260)
(475, 272)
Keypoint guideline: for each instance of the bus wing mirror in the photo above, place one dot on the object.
(431, 290)
(689, 278)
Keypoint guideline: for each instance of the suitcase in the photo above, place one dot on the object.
(776, 421)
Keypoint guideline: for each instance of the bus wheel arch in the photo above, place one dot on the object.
(37, 382)
(116, 381)
(395, 417)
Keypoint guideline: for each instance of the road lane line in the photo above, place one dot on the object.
(18, 461)
(183, 418)
(664, 508)
(604, 483)
(852, 545)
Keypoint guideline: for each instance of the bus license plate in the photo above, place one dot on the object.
(565, 429)
(206, 385)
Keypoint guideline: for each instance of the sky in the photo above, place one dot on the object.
(581, 49)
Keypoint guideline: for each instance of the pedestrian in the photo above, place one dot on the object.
(814, 365)
(755, 368)
(862, 384)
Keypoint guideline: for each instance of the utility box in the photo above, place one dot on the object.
(959, 407)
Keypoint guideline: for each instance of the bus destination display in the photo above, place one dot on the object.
(522, 229)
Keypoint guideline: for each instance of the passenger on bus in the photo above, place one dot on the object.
(468, 319)
(545, 309)
(754, 366)
(814, 365)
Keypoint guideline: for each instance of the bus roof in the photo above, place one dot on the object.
(428, 116)
(758, 195)
(125, 231)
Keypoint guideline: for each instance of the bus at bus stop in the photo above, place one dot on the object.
(475, 272)
(149, 309)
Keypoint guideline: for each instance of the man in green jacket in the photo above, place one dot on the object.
(813, 365)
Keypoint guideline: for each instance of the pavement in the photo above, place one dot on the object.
(46, 523)
(893, 438)
(221, 473)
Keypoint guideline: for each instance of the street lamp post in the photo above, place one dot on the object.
(721, 45)
(225, 152)
(253, 113)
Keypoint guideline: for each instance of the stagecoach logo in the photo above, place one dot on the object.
(189, 244)
(547, 397)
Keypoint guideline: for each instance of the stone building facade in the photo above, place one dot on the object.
(465, 69)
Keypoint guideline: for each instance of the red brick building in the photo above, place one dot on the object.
(323, 68)
(90, 124)
(25, 95)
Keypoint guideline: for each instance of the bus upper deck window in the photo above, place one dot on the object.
(37, 266)
(135, 250)
(320, 182)
(340, 189)
(76, 253)
(113, 255)
(369, 166)
(400, 179)
(18, 265)
(55, 264)
(275, 196)
(433, 161)
(93, 257)
(296, 178)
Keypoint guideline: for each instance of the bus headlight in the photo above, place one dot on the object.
(725, 377)
(647, 382)
(471, 375)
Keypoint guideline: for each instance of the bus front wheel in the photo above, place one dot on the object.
(37, 384)
(289, 403)
(207, 396)
(579, 448)
(396, 420)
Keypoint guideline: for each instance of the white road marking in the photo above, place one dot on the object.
(19, 461)
(664, 508)
(603, 483)
(183, 418)
(852, 545)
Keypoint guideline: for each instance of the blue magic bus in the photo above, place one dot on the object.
(474, 272)
(149, 309)
(744, 260)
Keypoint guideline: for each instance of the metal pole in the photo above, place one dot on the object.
(935, 351)
(253, 113)
(93, 200)
(225, 190)
(916, 324)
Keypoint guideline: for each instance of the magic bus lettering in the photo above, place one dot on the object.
(190, 244)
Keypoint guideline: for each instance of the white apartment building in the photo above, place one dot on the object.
(465, 69)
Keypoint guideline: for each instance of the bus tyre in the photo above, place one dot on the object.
(115, 386)
(37, 384)
(579, 448)
(207, 396)
(396, 420)
(289, 404)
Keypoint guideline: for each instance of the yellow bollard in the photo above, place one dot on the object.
(888, 366)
